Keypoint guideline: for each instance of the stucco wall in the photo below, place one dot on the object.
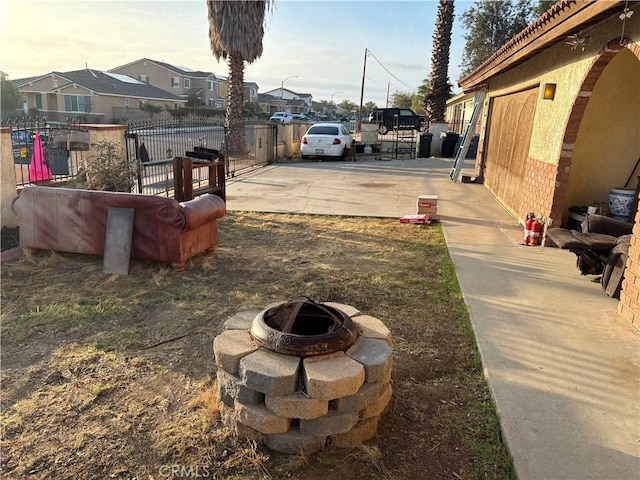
(566, 68)
(608, 143)
(7, 180)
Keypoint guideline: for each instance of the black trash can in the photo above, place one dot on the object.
(57, 159)
(472, 152)
(424, 145)
(449, 141)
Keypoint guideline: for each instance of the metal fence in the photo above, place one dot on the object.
(154, 142)
(62, 146)
(150, 144)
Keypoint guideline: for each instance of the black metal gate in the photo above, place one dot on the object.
(154, 142)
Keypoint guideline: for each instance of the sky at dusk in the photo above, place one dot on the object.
(320, 44)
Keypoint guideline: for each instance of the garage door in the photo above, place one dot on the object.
(509, 135)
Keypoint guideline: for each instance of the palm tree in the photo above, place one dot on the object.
(436, 100)
(236, 29)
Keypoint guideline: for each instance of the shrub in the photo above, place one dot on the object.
(109, 170)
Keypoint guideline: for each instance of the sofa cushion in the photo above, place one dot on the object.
(201, 210)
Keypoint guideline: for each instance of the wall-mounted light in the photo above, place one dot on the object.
(549, 91)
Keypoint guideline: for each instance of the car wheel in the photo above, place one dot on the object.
(382, 129)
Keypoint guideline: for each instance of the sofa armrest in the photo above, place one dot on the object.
(201, 210)
(609, 226)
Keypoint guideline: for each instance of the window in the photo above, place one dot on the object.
(323, 130)
(175, 82)
(126, 103)
(143, 78)
(212, 86)
(187, 83)
(77, 103)
(212, 102)
(55, 83)
(39, 101)
(253, 92)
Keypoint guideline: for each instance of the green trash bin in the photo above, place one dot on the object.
(424, 145)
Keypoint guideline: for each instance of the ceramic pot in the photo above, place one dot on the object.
(620, 200)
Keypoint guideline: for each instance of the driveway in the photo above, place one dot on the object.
(563, 366)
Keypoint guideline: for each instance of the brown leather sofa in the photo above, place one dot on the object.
(75, 221)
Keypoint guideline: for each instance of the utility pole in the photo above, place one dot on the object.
(364, 71)
(388, 85)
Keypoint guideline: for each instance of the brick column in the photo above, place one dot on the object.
(629, 306)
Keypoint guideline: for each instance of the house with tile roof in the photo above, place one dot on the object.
(561, 118)
(210, 89)
(296, 102)
(91, 95)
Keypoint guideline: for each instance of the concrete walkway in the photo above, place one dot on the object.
(563, 367)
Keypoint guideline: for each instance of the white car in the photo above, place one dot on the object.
(325, 140)
(280, 117)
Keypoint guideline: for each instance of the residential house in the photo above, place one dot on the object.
(208, 88)
(459, 111)
(562, 116)
(296, 102)
(92, 95)
(251, 92)
(270, 104)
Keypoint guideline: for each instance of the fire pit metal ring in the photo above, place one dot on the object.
(303, 327)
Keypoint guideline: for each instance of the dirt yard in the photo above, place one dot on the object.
(111, 377)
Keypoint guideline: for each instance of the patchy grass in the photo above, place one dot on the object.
(109, 376)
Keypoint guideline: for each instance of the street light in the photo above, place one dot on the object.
(282, 89)
(333, 110)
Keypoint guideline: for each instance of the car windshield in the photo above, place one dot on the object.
(323, 130)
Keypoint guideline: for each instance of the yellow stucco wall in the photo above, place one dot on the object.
(566, 68)
(7, 180)
(608, 143)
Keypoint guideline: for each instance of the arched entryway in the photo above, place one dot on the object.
(601, 145)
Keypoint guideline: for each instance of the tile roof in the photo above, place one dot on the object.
(187, 72)
(562, 18)
(110, 84)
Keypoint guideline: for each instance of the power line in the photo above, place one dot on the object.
(389, 72)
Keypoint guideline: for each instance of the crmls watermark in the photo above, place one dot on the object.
(184, 471)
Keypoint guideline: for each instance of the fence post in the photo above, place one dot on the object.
(8, 186)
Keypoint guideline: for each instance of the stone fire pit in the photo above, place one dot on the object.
(302, 402)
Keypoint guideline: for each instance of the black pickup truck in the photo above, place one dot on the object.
(397, 118)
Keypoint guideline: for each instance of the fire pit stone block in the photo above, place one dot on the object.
(260, 418)
(230, 388)
(364, 430)
(379, 406)
(332, 423)
(270, 373)
(297, 405)
(295, 442)
(375, 355)
(367, 395)
(241, 321)
(371, 327)
(331, 376)
(230, 346)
